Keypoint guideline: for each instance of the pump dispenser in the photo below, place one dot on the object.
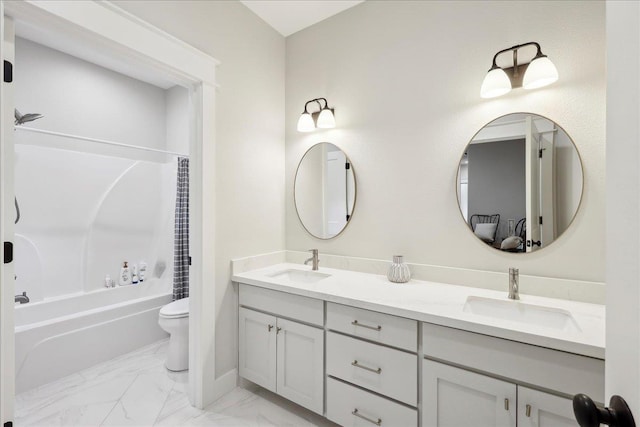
(125, 275)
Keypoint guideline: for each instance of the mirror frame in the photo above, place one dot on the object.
(355, 191)
(457, 180)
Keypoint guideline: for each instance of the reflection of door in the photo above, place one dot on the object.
(547, 187)
(335, 193)
(532, 165)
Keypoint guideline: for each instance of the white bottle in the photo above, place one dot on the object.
(142, 270)
(134, 275)
(125, 275)
(107, 281)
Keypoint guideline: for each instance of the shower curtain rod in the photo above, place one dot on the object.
(99, 141)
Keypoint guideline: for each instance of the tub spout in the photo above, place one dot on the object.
(22, 299)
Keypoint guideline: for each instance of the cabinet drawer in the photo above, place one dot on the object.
(384, 370)
(385, 328)
(283, 304)
(343, 400)
(524, 363)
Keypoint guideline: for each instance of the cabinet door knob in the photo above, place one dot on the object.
(270, 327)
(527, 410)
(506, 404)
(588, 414)
(278, 330)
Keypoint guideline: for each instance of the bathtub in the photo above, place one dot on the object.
(59, 336)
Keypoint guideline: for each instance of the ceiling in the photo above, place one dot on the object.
(290, 16)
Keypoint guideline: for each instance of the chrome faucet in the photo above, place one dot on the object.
(314, 259)
(514, 276)
(22, 299)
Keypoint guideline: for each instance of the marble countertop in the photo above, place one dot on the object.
(444, 304)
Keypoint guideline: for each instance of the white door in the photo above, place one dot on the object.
(532, 179)
(538, 409)
(7, 209)
(300, 364)
(257, 348)
(622, 373)
(453, 397)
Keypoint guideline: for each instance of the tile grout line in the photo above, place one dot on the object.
(119, 400)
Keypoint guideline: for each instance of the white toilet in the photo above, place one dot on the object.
(174, 319)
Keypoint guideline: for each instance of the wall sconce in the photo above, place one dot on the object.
(319, 119)
(539, 72)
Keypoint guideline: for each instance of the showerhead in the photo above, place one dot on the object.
(24, 118)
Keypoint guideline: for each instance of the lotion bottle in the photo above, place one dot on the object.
(125, 275)
(134, 275)
(142, 270)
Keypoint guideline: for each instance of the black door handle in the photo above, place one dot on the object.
(588, 414)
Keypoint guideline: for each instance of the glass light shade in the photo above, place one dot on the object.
(305, 123)
(540, 72)
(326, 119)
(495, 83)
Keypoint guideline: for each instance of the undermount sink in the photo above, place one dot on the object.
(516, 311)
(300, 276)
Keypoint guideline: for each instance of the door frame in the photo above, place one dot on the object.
(119, 34)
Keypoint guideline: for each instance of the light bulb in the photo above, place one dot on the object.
(540, 72)
(495, 83)
(326, 119)
(305, 123)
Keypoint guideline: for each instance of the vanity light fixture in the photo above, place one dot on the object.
(323, 118)
(534, 74)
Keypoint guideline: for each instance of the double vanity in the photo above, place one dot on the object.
(360, 350)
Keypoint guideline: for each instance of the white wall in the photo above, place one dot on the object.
(249, 187)
(81, 98)
(404, 78)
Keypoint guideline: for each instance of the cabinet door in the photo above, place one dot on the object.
(539, 409)
(257, 348)
(300, 364)
(453, 397)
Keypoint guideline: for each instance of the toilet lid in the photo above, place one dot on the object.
(179, 308)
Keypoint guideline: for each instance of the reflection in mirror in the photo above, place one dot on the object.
(520, 182)
(325, 190)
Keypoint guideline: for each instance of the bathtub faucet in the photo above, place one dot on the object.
(22, 299)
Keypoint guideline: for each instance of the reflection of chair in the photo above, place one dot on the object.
(521, 228)
(485, 226)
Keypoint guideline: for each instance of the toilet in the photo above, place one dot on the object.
(174, 319)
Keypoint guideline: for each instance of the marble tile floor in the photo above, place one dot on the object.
(137, 390)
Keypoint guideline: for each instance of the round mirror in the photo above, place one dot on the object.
(520, 183)
(324, 190)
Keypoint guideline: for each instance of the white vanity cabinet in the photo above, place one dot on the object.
(282, 355)
(456, 396)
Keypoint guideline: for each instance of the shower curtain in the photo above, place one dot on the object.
(181, 239)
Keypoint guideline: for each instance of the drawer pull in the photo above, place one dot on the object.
(506, 404)
(528, 410)
(375, 328)
(357, 365)
(355, 412)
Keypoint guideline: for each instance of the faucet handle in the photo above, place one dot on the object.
(313, 251)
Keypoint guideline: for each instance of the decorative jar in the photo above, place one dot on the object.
(399, 271)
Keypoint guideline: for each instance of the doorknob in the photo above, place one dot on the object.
(588, 414)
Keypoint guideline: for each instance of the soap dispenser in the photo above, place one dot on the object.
(125, 275)
(142, 270)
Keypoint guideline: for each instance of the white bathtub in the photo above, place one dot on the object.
(57, 337)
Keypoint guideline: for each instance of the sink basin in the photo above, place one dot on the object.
(515, 311)
(300, 276)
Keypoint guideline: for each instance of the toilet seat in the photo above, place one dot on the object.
(176, 309)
